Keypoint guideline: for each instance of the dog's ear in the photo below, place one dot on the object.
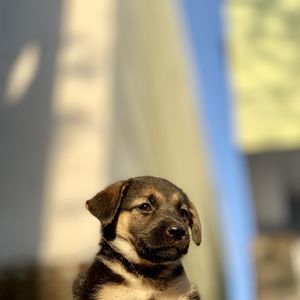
(195, 224)
(106, 203)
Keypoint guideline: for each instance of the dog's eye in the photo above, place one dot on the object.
(145, 207)
(183, 212)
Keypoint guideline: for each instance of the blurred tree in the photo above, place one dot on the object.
(264, 45)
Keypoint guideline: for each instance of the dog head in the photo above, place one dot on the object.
(148, 217)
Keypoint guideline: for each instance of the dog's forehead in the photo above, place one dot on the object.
(160, 188)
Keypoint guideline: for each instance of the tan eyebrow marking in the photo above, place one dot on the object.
(156, 194)
(147, 193)
(138, 201)
(175, 199)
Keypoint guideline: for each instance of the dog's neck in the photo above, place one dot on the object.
(153, 271)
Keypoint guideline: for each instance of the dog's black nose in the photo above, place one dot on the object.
(176, 232)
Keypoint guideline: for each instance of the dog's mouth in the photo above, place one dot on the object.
(164, 253)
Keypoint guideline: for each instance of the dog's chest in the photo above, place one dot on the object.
(125, 292)
(136, 289)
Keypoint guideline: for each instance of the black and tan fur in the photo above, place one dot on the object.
(145, 233)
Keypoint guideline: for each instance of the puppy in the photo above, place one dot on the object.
(145, 233)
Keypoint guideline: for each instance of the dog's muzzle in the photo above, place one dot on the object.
(163, 242)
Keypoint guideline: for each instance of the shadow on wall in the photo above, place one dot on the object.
(29, 32)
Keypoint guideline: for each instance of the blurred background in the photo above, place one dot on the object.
(203, 93)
